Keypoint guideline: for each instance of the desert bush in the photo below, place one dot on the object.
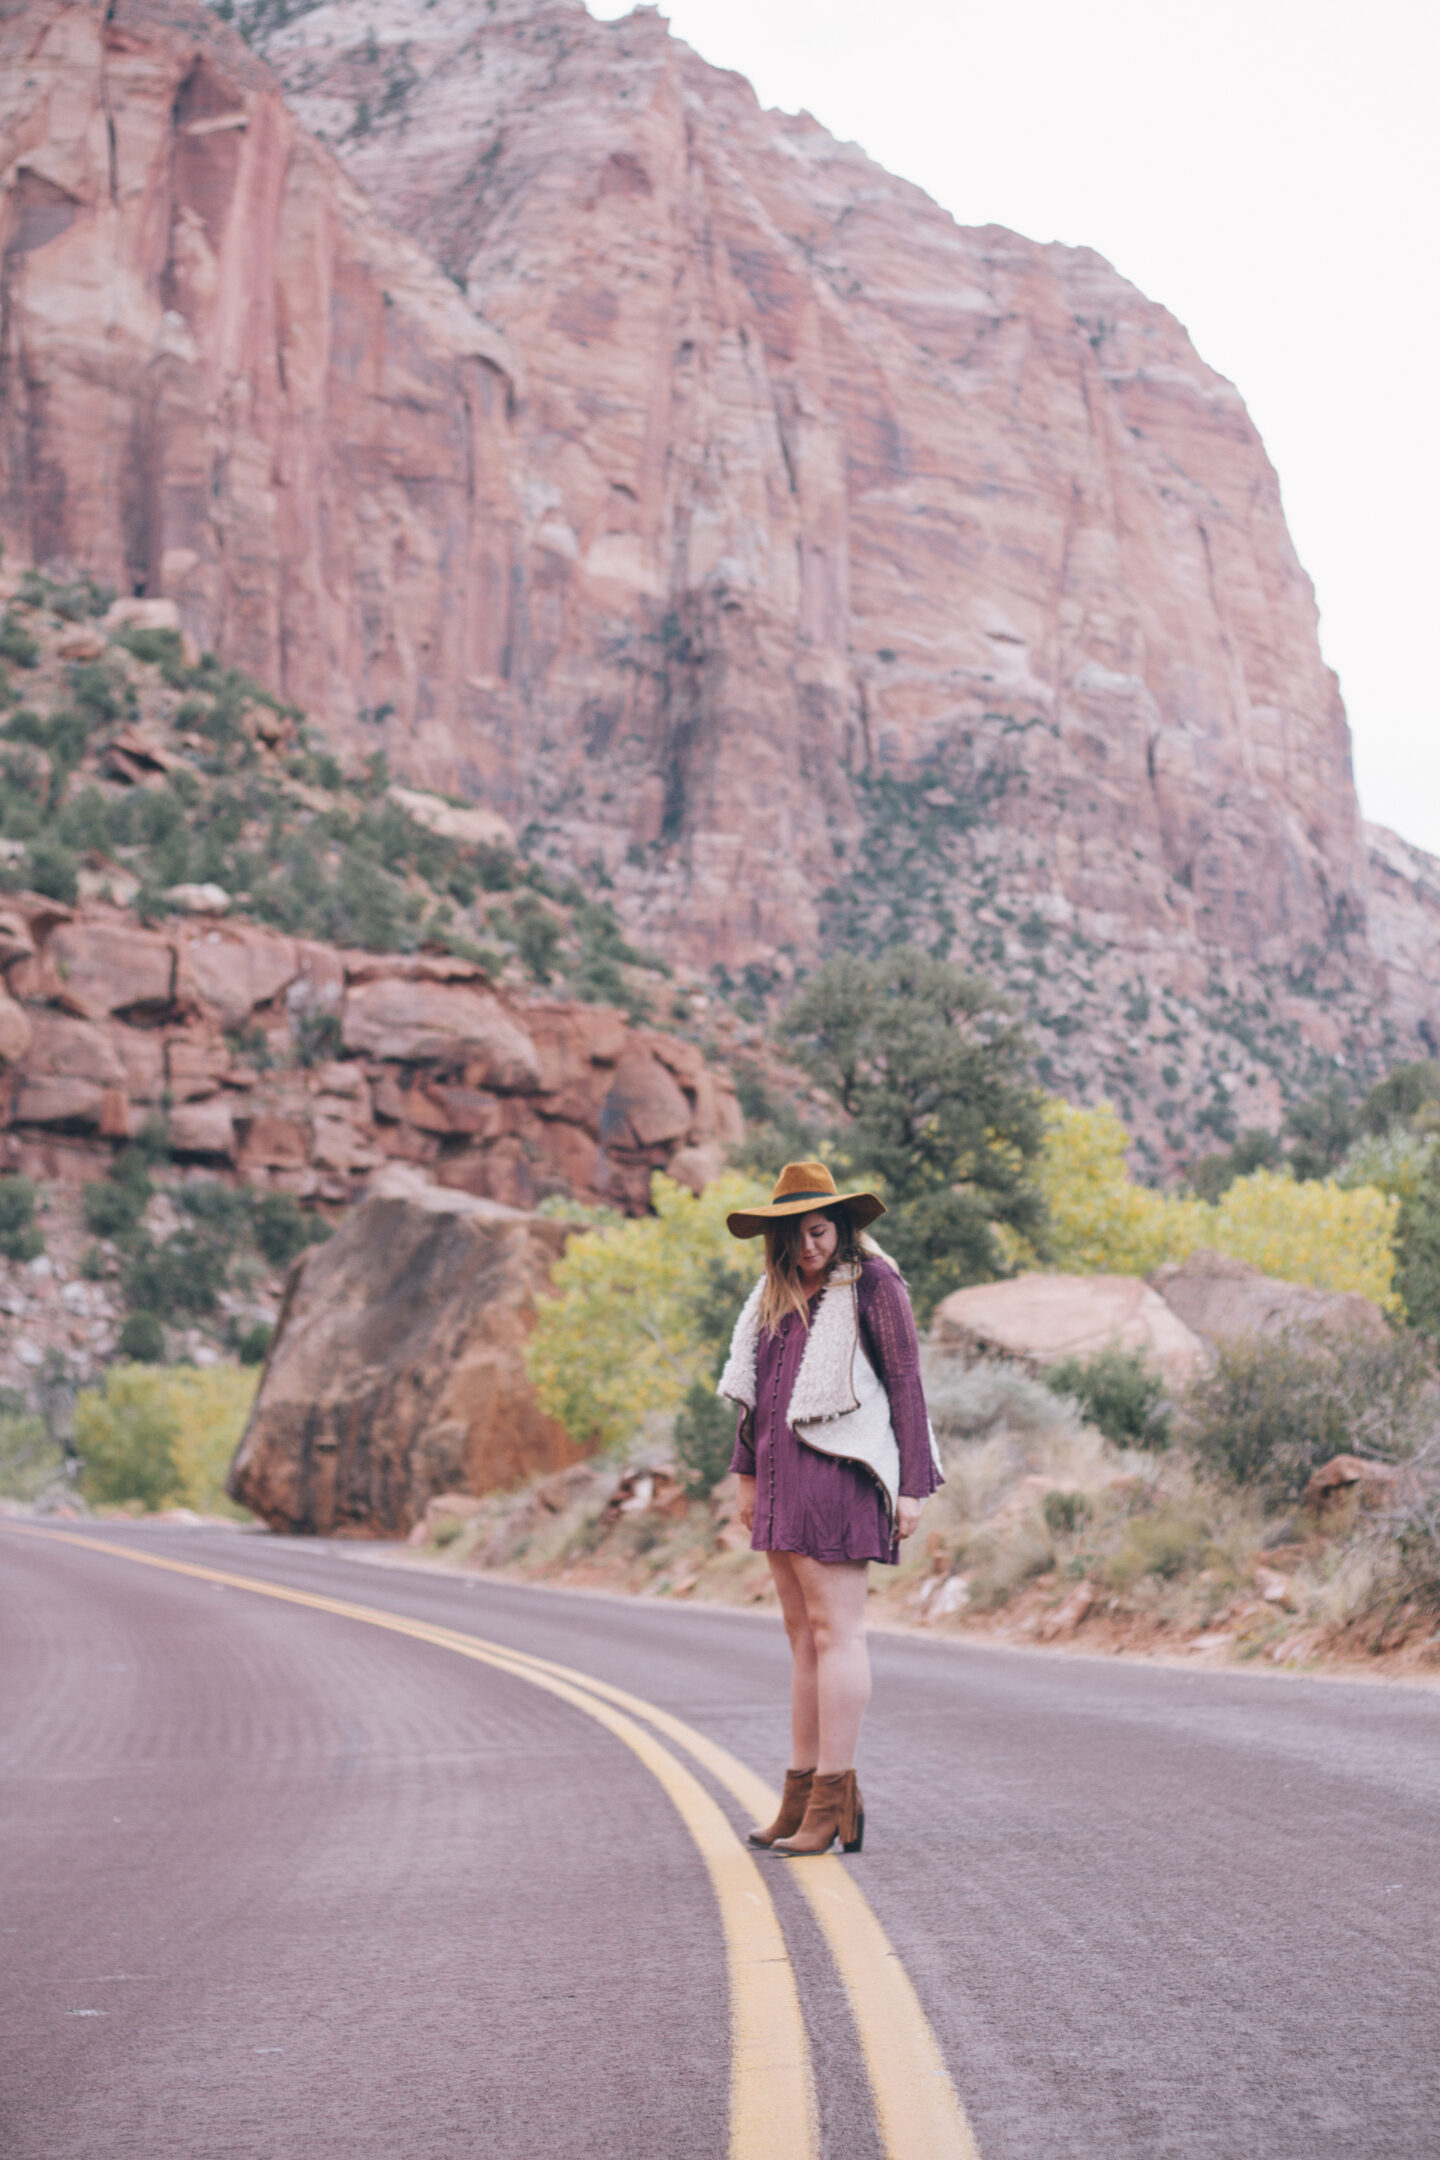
(283, 1229)
(223, 1209)
(20, 1239)
(1002, 1556)
(30, 1459)
(182, 1277)
(704, 1438)
(126, 1440)
(114, 1205)
(1064, 1512)
(159, 1433)
(254, 1345)
(637, 1308)
(1393, 1162)
(17, 645)
(1119, 1392)
(1412, 1528)
(142, 1339)
(968, 1402)
(52, 869)
(1272, 1409)
(1172, 1541)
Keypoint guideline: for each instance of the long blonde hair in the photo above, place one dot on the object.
(784, 1291)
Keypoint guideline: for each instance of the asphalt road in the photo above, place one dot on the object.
(278, 1885)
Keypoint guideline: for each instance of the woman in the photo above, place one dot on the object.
(835, 1459)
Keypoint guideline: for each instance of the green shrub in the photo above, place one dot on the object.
(142, 1339)
(99, 691)
(52, 869)
(1273, 1408)
(254, 1344)
(159, 647)
(185, 1275)
(126, 1441)
(114, 1205)
(29, 1458)
(537, 934)
(283, 1229)
(1172, 1542)
(704, 1439)
(17, 645)
(1417, 1250)
(1119, 1393)
(1064, 1512)
(1413, 1527)
(19, 1237)
(224, 1209)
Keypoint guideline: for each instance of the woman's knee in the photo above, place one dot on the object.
(833, 1632)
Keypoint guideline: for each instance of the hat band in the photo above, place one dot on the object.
(783, 1199)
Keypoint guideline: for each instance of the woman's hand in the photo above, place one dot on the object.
(907, 1515)
(745, 1507)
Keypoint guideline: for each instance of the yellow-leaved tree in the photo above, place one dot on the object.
(1102, 1222)
(639, 1310)
(164, 1433)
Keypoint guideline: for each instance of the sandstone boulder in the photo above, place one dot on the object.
(471, 826)
(397, 1372)
(1219, 1299)
(14, 1031)
(1343, 1475)
(105, 964)
(61, 1046)
(1040, 1319)
(203, 1128)
(441, 1024)
(231, 971)
(644, 1107)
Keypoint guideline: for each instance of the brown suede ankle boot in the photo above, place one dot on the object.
(836, 1810)
(792, 1809)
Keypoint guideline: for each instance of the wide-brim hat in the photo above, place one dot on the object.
(801, 1189)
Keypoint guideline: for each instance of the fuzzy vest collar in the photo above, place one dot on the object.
(838, 1403)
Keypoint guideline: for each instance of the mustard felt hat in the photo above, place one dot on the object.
(800, 1189)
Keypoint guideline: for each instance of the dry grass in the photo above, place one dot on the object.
(1042, 1531)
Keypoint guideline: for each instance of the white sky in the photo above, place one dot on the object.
(1270, 171)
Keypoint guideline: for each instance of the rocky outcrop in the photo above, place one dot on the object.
(397, 1370)
(483, 1092)
(664, 476)
(1175, 1318)
(1039, 1319)
(1222, 1299)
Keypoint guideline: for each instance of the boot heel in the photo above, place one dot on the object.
(854, 1844)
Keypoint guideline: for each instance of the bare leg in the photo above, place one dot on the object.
(833, 1592)
(804, 1705)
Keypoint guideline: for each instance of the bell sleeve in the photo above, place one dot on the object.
(894, 1350)
(743, 1459)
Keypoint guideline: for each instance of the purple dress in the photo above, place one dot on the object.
(809, 1502)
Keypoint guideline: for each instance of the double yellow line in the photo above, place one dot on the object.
(772, 2099)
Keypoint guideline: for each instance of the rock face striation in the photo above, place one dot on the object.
(669, 479)
(397, 1369)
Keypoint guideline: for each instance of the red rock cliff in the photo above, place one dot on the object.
(819, 567)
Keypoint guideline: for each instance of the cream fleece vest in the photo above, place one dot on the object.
(838, 1403)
